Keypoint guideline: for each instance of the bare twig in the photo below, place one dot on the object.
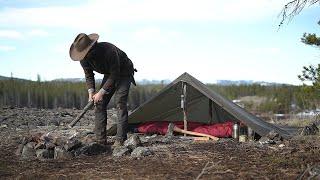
(312, 170)
(293, 8)
(206, 168)
(223, 172)
(304, 172)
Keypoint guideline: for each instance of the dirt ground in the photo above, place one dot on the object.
(225, 159)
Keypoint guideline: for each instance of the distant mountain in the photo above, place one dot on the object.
(246, 82)
(74, 80)
(4, 78)
(142, 82)
(146, 81)
(69, 80)
(166, 81)
(230, 82)
(13, 78)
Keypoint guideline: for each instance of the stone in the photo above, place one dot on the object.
(25, 140)
(265, 140)
(40, 145)
(28, 152)
(90, 138)
(4, 126)
(59, 141)
(281, 145)
(141, 152)
(86, 132)
(120, 151)
(133, 142)
(114, 116)
(55, 122)
(155, 139)
(36, 137)
(40, 123)
(272, 135)
(271, 138)
(74, 135)
(91, 149)
(32, 126)
(72, 145)
(50, 145)
(19, 149)
(314, 172)
(45, 153)
(46, 138)
(60, 153)
(311, 129)
(31, 144)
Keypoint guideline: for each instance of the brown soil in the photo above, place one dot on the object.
(180, 160)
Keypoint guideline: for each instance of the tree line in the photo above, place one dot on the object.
(37, 94)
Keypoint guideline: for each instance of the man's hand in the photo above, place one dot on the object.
(91, 94)
(97, 98)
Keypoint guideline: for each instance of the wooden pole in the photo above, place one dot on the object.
(184, 107)
(185, 122)
(176, 129)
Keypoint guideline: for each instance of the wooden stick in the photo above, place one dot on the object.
(176, 129)
(201, 138)
(185, 122)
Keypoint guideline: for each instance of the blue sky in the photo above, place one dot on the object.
(210, 39)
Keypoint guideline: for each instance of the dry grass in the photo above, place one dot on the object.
(297, 122)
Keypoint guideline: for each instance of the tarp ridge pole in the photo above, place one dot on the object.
(184, 106)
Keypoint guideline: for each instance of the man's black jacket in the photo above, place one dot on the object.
(105, 58)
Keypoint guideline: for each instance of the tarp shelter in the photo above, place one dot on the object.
(203, 105)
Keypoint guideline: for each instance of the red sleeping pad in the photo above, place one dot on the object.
(220, 130)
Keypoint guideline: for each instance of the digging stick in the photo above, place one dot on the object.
(85, 109)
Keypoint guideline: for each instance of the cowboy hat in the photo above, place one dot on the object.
(81, 45)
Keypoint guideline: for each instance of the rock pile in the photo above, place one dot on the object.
(311, 129)
(59, 145)
(65, 144)
(132, 146)
(271, 138)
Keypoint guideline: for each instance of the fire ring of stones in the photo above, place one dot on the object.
(66, 144)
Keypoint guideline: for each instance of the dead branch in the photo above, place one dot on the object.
(206, 168)
(223, 172)
(304, 172)
(293, 8)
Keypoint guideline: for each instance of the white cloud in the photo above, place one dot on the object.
(154, 35)
(17, 35)
(10, 34)
(38, 33)
(261, 50)
(100, 13)
(7, 48)
(62, 48)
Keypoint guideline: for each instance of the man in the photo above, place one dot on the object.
(105, 58)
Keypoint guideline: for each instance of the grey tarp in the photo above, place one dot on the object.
(204, 105)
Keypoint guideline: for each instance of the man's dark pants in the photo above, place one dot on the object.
(121, 91)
